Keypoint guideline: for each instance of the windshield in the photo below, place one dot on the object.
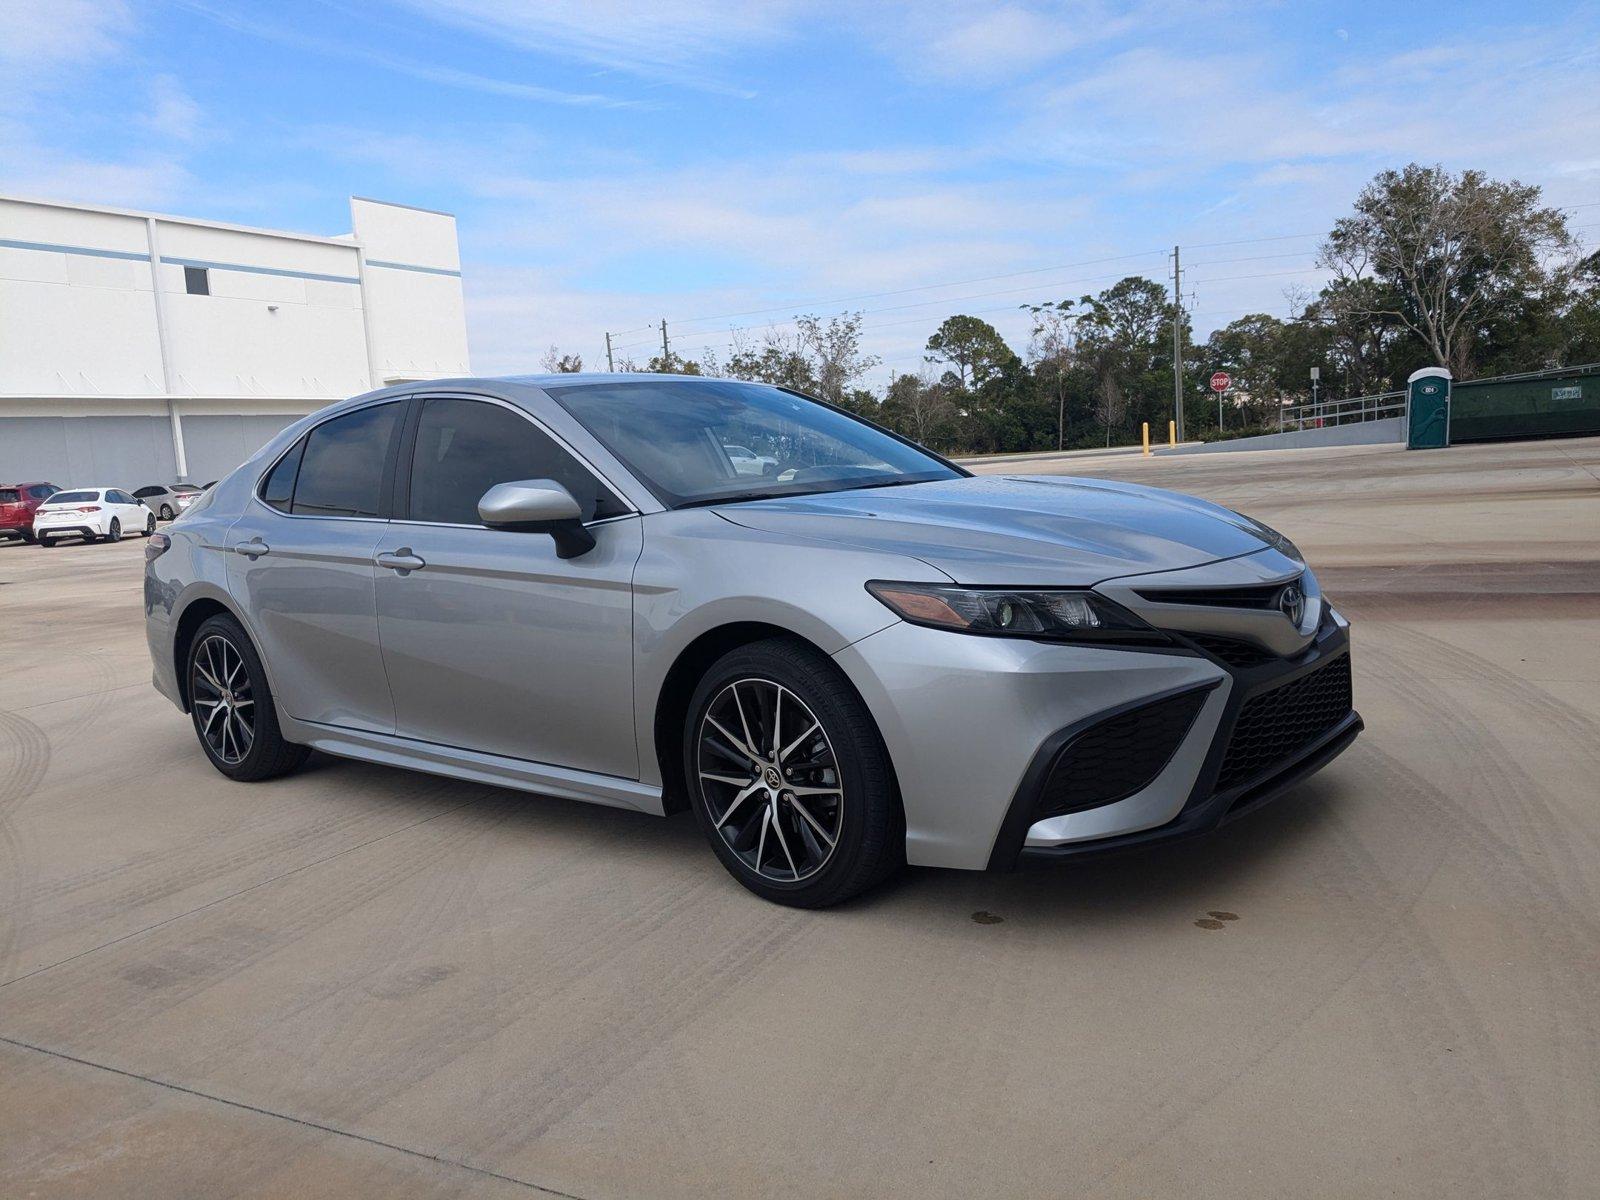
(681, 436)
(74, 497)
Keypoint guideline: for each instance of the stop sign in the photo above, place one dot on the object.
(1220, 381)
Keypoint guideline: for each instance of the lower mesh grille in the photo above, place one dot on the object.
(1275, 726)
(1119, 756)
(1234, 652)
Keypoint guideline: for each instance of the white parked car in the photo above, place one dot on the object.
(93, 514)
(747, 462)
(167, 501)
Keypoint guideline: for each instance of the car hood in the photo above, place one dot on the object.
(1017, 529)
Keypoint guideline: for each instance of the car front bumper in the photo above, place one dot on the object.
(975, 726)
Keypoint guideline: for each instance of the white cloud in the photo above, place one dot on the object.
(46, 50)
(355, 49)
(685, 41)
(41, 37)
(173, 113)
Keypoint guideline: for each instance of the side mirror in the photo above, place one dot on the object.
(538, 506)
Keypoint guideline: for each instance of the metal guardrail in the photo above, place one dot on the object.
(1352, 411)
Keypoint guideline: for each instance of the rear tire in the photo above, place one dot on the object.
(47, 543)
(819, 820)
(166, 512)
(28, 535)
(231, 706)
(114, 531)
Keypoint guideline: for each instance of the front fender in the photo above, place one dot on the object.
(699, 573)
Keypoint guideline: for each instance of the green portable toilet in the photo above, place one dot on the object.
(1428, 409)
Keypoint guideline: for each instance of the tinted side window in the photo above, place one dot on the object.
(147, 491)
(341, 467)
(465, 447)
(277, 489)
(44, 492)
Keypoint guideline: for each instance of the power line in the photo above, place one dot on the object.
(1002, 292)
(1091, 262)
(1010, 291)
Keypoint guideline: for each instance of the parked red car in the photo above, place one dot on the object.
(17, 504)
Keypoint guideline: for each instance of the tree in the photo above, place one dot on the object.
(1123, 339)
(557, 363)
(1362, 335)
(974, 347)
(1052, 349)
(1446, 252)
(835, 354)
(920, 409)
(779, 360)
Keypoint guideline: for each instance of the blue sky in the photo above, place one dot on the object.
(612, 163)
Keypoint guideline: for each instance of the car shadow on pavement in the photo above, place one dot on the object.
(1188, 879)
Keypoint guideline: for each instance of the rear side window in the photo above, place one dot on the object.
(465, 447)
(9, 495)
(277, 489)
(341, 467)
(43, 491)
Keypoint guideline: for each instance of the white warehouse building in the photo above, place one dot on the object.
(138, 348)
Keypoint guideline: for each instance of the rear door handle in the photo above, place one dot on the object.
(401, 560)
(253, 549)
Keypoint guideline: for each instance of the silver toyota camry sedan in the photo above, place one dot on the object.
(859, 657)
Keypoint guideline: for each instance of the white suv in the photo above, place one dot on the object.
(94, 514)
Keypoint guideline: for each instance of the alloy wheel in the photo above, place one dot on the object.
(770, 780)
(224, 699)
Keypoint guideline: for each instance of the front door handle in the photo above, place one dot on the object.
(253, 549)
(401, 560)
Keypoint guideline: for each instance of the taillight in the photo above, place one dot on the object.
(88, 508)
(156, 546)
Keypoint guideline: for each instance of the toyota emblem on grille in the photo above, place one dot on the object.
(1292, 604)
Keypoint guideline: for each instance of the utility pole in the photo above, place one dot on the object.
(666, 354)
(1177, 343)
(610, 365)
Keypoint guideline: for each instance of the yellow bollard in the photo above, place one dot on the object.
(1147, 438)
(1172, 433)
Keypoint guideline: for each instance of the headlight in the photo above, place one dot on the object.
(1272, 537)
(1002, 612)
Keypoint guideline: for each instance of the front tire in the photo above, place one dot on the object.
(28, 535)
(788, 778)
(149, 526)
(231, 705)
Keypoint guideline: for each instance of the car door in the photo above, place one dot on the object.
(127, 510)
(300, 565)
(492, 642)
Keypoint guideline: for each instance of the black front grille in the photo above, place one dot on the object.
(1276, 726)
(1234, 652)
(1119, 756)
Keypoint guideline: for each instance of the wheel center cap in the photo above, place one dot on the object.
(773, 779)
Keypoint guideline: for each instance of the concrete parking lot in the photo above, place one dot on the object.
(361, 982)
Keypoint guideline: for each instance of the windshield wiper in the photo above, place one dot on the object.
(882, 483)
(740, 498)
